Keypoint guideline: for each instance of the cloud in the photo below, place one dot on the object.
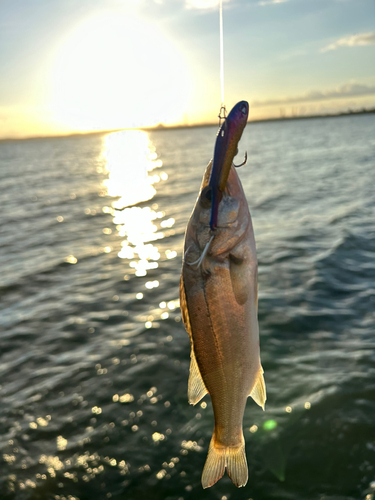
(347, 90)
(351, 41)
(271, 2)
(203, 4)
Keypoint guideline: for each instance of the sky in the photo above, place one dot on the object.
(81, 65)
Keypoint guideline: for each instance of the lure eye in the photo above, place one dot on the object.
(206, 197)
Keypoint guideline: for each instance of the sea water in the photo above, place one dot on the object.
(94, 357)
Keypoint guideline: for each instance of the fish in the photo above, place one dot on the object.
(219, 307)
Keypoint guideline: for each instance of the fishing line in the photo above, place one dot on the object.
(222, 116)
(223, 111)
(221, 53)
(199, 261)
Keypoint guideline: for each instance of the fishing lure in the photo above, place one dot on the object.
(225, 150)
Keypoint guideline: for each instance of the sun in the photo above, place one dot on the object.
(116, 71)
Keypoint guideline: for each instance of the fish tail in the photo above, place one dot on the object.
(214, 467)
(237, 465)
(232, 458)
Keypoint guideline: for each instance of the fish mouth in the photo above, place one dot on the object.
(225, 150)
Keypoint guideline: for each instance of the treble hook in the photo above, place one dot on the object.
(243, 163)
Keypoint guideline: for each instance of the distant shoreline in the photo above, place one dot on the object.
(263, 120)
(162, 127)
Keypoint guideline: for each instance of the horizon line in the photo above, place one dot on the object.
(163, 127)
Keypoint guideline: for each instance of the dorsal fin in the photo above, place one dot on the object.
(184, 308)
(196, 387)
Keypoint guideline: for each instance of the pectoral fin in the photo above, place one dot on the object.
(240, 278)
(196, 388)
(258, 392)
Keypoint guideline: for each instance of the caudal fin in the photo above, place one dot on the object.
(237, 465)
(219, 458)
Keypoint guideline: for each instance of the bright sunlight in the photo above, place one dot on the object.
(130, 157)
(115, 71)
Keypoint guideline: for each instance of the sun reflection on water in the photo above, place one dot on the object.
(131, 158)
(136, 225)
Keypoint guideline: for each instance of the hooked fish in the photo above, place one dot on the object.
(219, 305)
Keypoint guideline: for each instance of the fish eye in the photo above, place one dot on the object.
(243, 110)
(206, 196)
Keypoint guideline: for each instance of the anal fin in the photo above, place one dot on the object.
(258, 392)
(196, 388)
